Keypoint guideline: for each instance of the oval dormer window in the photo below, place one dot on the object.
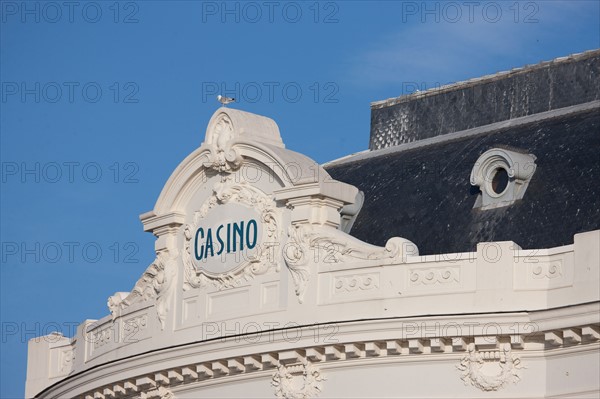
(502, 176)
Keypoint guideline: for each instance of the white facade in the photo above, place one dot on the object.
(307, 310)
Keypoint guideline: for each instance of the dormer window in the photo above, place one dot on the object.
(502, 176)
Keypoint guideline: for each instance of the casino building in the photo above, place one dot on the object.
(459, 256)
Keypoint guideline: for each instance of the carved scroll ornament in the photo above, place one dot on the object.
(155, 284)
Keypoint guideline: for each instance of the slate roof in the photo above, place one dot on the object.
(507, 95)
(421, 190)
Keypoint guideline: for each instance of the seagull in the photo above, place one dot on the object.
(225, 100)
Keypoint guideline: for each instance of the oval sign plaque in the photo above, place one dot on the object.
(233, 237)
(226, 239)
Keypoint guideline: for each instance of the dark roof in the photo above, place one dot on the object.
(524, 91)
(424, 194)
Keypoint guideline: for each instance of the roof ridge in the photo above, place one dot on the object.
(483, 79)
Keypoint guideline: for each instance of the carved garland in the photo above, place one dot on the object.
(472, 365)
(300, 381)
(266, 258)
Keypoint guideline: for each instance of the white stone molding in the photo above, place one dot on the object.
(308, 244)
(158, 393)
(227, 124)
(350, 212)
(300, 381)
(340, 247)
(488, 363)
(156, 284)
(506, 365)
(224, 192)
(519, 168)
(498, 273)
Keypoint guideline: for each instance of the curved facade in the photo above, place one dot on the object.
(258, 289)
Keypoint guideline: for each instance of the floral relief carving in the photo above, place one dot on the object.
(227, 191)
(155, 284)
(475, 367)
(299, 381)
(296, 258)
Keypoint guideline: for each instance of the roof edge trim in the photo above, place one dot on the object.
(510, 123)
(483, 79)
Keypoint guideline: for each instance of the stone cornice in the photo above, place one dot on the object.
(411, 339)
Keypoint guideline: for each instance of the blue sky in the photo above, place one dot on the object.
(101, 101)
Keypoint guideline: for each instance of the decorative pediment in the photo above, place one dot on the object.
(240, 209)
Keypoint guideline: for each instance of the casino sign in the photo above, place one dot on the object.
(233, 236)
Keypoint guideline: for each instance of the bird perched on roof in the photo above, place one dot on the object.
(225, 100)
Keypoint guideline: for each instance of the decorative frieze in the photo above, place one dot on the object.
(543, 272)
(103, 336)
(547, 270)
(487, 362)
(356, 282)
(134, 327)
(434, 275)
